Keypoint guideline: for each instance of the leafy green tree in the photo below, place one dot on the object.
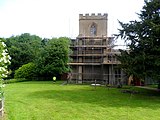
(143, 38)
(54, 57)
(23, 49)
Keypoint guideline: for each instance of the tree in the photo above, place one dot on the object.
(53, 59)
(143, 39)
(23, 49)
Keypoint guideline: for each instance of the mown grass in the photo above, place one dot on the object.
(47, 101)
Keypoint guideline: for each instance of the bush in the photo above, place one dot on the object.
(8, 81)
(27, 71)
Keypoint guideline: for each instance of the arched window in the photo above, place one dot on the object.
(93, 29)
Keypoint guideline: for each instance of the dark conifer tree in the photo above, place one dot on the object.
(143, 39)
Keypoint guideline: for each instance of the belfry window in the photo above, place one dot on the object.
(93, 29)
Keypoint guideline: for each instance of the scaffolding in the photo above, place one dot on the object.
(94, 59)
(93, 52)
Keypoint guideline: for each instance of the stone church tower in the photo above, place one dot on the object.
(93, 55)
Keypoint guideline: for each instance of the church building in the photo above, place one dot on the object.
(93, 56)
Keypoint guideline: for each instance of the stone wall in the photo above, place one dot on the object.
(86, 21)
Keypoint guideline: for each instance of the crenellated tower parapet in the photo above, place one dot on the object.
(93, 16)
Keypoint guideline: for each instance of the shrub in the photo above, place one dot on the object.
(27, 71)
(8, 81)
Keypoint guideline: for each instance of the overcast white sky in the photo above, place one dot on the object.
(56, 18)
